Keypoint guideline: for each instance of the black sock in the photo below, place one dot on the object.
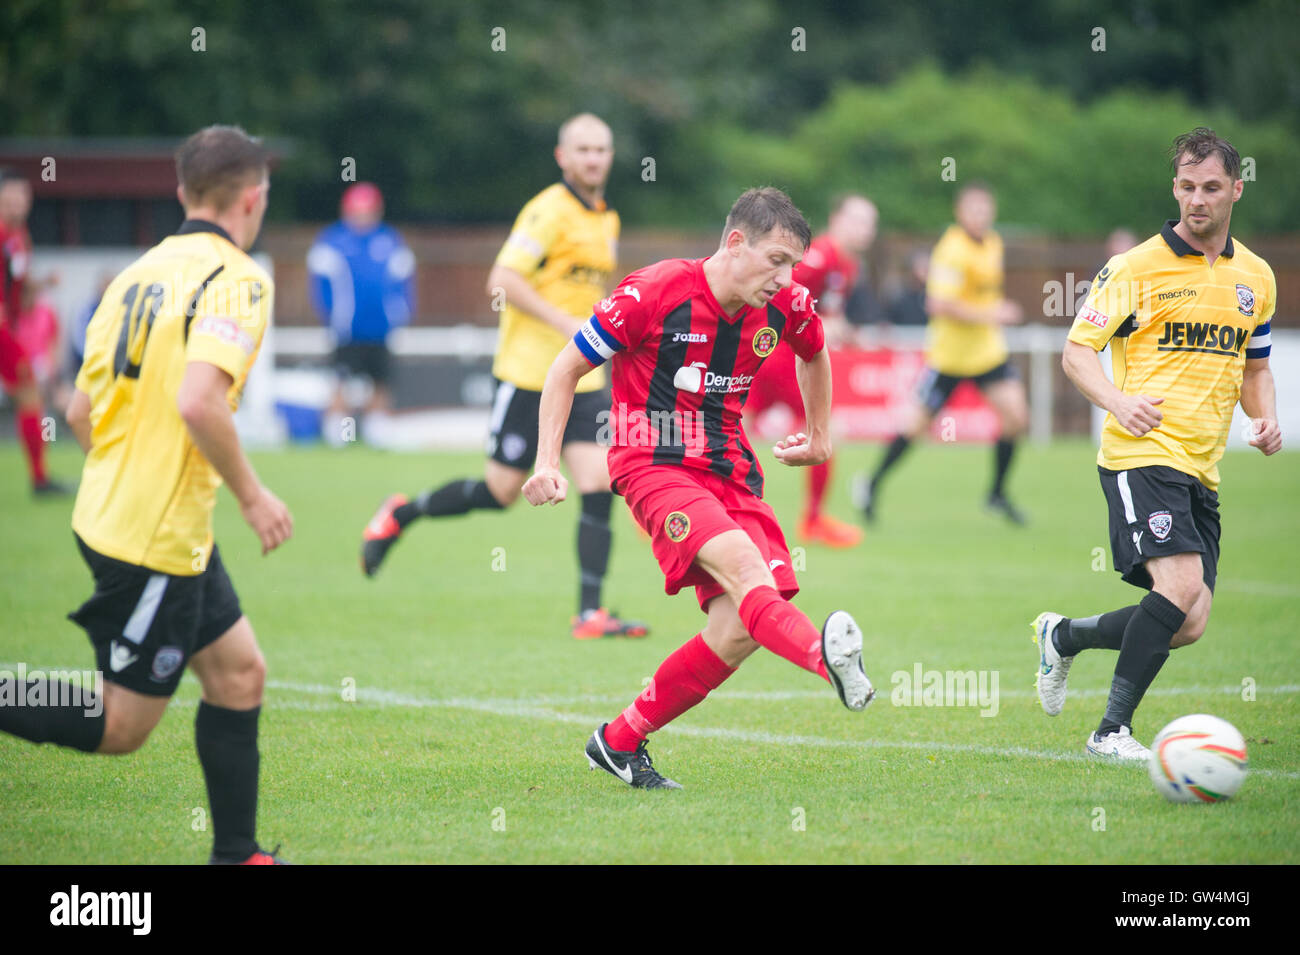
(1145, 649)
(1105, 631)
(1002, 454)
(458, 497)
(227, 744)
(78, 722)
(896, 449)
(593, 547)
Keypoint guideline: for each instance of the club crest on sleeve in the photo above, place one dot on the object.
(765, 340)
(1245, 300)
(1161, 523)
(166, 661)
(677, 525)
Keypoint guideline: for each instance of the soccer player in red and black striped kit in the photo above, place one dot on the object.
(15, 368)
(686, 338)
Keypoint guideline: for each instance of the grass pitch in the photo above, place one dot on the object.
(472, 703)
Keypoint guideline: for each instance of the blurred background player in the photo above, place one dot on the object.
(554, 267)
(16, 372)
(829, 270)
(1181, 363)
(41, 339)
(362, 283)
(687, 338)
(967, 311)
(167, 355)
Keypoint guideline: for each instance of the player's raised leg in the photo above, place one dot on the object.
(585, 461)
(1007, 396)
(866, 490)
(232, 673)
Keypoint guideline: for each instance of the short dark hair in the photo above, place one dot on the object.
(758, 211)
(1198, 145)
(217, 162)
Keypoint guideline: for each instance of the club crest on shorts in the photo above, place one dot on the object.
(166, 662)
(1161, 523)
(765, 340)
(513, 446)
(677, 525)
(1245, 300)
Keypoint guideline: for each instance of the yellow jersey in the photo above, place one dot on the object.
(147, 492)
(568, 251)
(1181, 330)
(967, 270)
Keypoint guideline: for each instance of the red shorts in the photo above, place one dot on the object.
(15, 369)
(683, 508)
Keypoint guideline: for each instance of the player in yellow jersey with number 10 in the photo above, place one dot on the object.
(167, 354)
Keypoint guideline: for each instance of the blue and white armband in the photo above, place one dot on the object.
(596, 343)
(1260, 342)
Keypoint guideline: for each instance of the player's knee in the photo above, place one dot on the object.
(750, 571)
(247, 681)
(122, 735)
(505, 489)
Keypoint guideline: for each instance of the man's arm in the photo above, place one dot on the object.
(815, 386)
(1259, 401)
(547, 485)
(201, 402)
(521, 294)
(1002, 312)
(1137, 413)
(78, 418)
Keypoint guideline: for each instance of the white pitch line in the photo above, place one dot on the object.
(531, 709)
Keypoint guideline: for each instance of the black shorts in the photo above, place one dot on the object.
(371, 359)
(1158, 512)
(935, 388)
(145, 625)
(512, 440)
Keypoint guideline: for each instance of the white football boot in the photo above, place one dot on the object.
(1119, 747)
(842, 653)
(1052, 667)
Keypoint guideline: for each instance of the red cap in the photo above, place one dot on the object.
(361, 197)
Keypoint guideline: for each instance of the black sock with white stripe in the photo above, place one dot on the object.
(594, 538)
(458, 497)
(42, 719)
(1105, 631)
(1143, 653)
(226, 741)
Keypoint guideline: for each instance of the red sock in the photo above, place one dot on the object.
(819, 476)
(29, 426)
(681, 681)
(779, 626)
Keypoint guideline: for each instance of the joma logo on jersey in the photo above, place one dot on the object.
(698, 337)
(1202, 336)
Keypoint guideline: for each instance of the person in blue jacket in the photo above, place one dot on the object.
(362, 282)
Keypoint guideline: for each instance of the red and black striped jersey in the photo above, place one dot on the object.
(682, 368)
(15, 256)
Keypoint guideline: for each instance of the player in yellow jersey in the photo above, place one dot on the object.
(1186, 315)
(167, 354)
(967, 309)
(553, 269)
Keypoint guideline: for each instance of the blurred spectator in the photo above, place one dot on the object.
(362, 286)
(907, 307)
(16, 373)
(38, 332)
(1121, 240)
